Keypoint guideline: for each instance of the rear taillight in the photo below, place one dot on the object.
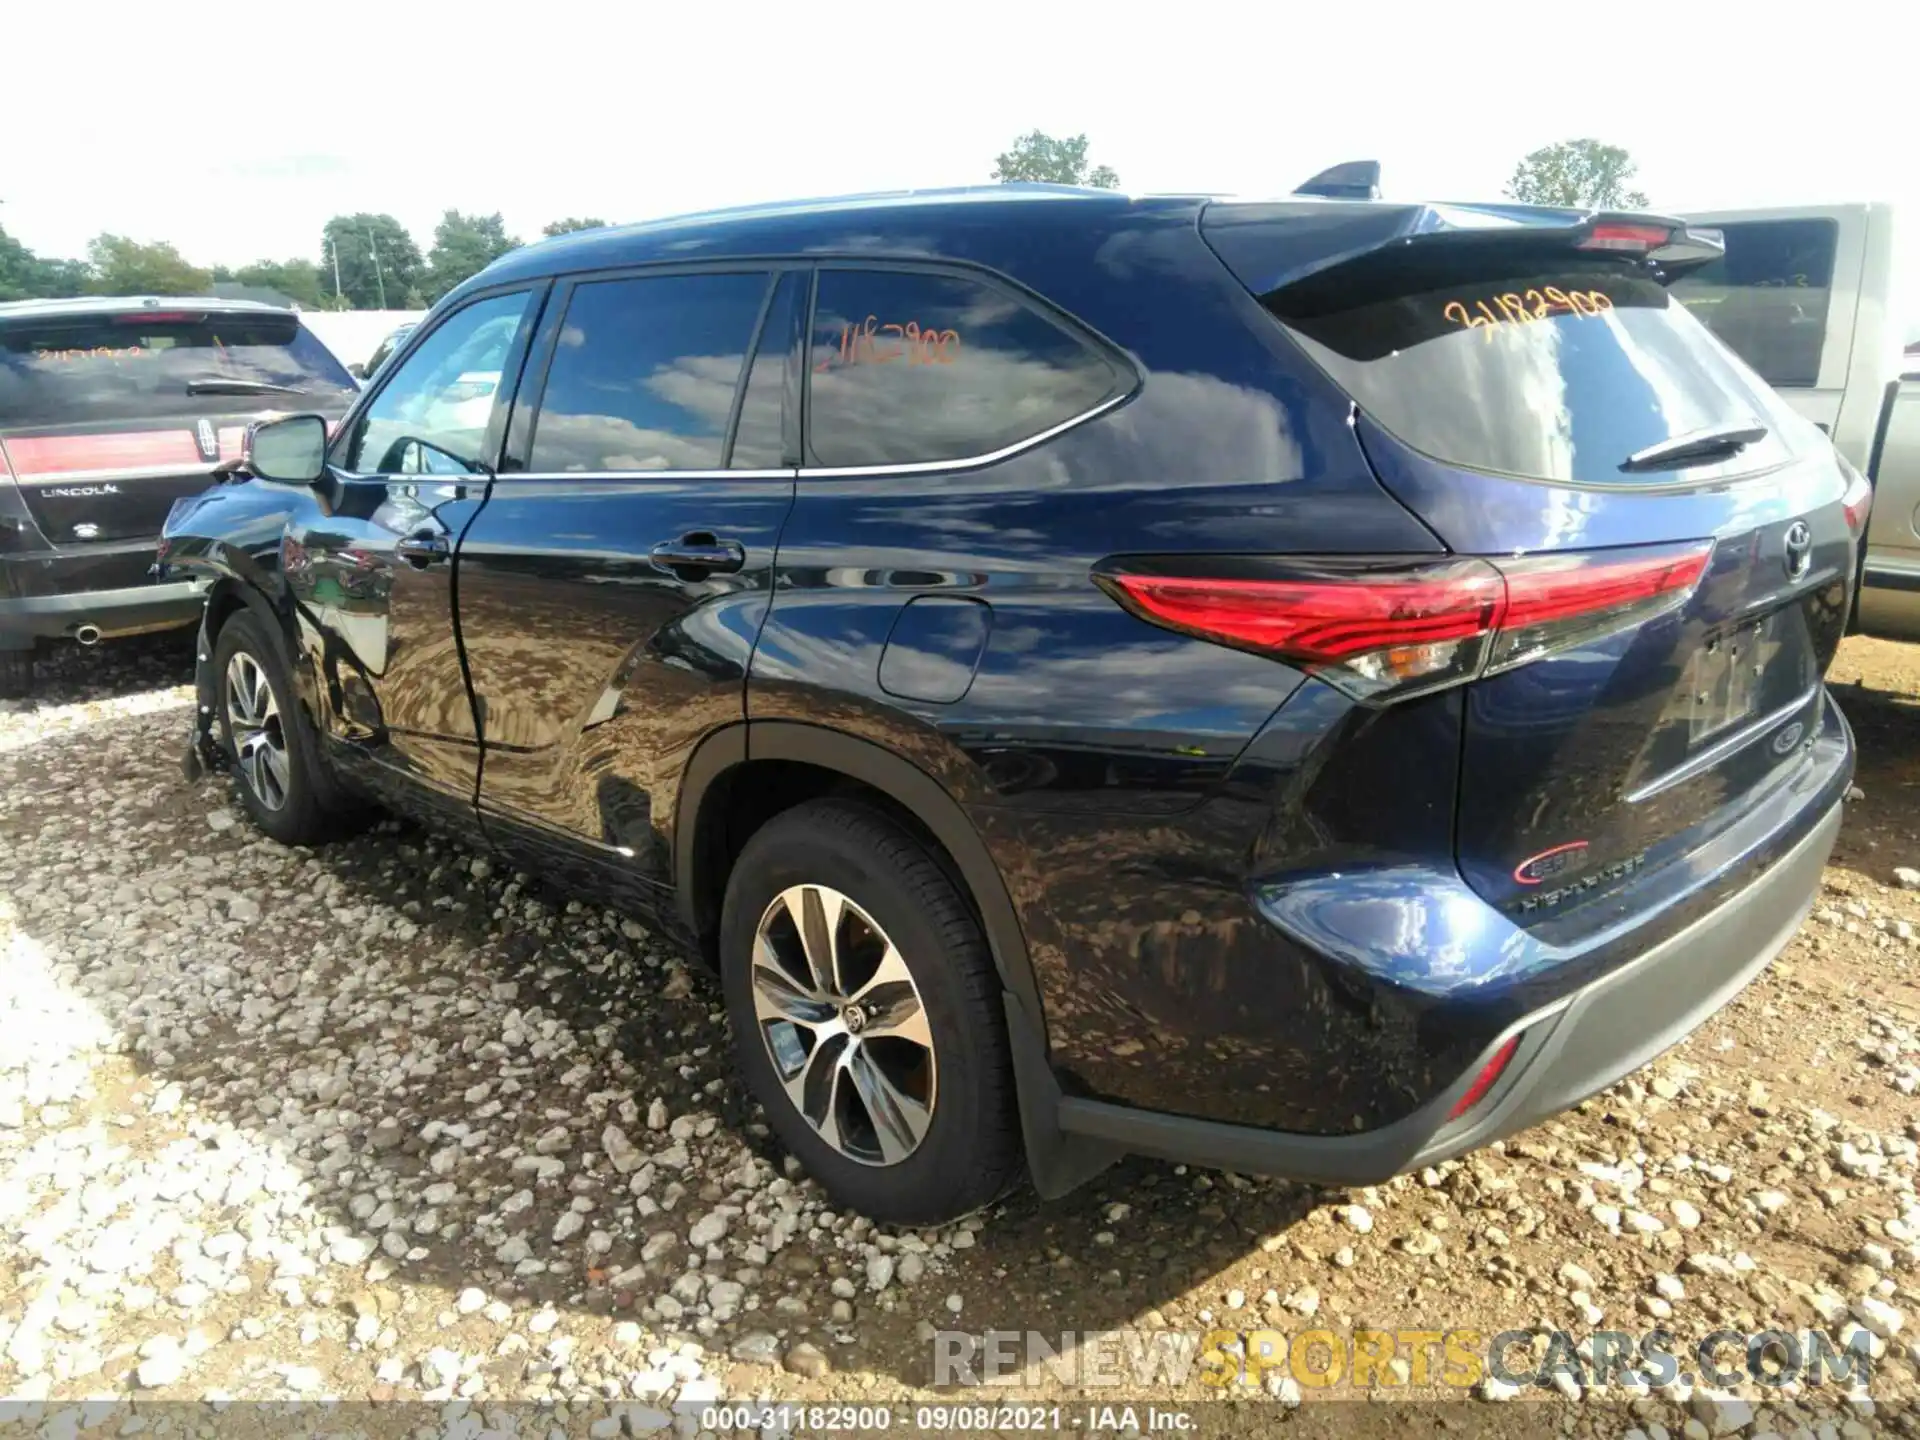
(1857, 502)
(1384, 629)
(1484, 1081)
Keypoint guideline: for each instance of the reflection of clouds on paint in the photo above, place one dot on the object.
(1196, 430)
(684, 404)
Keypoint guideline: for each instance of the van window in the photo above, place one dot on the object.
(1767, 298)
(909, 368)
(644, 374)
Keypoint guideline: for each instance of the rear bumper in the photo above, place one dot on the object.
(51, 598)
(1568, 1049)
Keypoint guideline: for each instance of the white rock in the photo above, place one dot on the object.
(1878, 1316)
(707, 1230)
(879, 1272)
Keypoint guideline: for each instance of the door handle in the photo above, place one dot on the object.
(423, 549)
(699, 552)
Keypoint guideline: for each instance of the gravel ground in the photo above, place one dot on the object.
(384, 1120)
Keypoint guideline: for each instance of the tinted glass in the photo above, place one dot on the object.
(111, 367)
(759, 440)
(1767, 297)
(1557, 372)
(908, 368)
(431, 417)
(644, 375)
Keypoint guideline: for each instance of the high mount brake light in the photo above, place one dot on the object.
(1384, 629)
(1634, 239)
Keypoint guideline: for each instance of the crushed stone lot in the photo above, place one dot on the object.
(386, 1121)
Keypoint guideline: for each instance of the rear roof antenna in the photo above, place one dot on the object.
(1349, 180)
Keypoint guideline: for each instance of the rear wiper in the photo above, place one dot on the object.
(1719, 443)
(219, 385)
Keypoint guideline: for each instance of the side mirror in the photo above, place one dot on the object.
(292, 451)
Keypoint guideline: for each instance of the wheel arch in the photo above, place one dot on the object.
(1056, 1162)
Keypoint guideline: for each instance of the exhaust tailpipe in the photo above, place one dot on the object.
(87, 634)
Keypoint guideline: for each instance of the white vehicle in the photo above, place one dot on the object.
(1806, 296)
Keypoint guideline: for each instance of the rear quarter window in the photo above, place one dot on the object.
(1767, 298)
(906, 368)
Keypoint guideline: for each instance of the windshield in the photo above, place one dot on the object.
(67, 369)
(1560, 370)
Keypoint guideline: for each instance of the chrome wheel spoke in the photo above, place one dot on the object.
(259, 745)
(776, 997)
(899, 1121)
(818, 919)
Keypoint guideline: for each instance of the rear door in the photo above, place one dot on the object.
(108, 418)
(1676, 553)
(1802, 296)
(612, 590)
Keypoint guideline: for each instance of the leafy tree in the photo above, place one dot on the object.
(379, 265)
(464, 245)
(1579, 174)
(1038, 156)
(570, 224)
(122, 266)
(26, 276)
(298, 280)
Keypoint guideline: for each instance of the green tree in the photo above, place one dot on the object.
(1578, 174)
(378, 263)
(122, 266)
(298, 280)
(26, 276)
(1038, 156)
(464, 245)
(570, 224)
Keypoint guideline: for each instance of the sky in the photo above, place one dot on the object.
(235, 131)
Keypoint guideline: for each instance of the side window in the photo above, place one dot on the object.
(759, 440)
(644, 374)
(1767, 298)
(431, 417)
(906, 368)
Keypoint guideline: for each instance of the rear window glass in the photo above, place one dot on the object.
(1558, 372)
(911, 369)
(59, 371)
(1767, 297)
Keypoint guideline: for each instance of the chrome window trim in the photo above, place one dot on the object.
(970, 462)
(786, 472)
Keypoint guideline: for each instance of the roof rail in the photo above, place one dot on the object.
(1349, 180)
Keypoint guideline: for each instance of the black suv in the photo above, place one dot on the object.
(110, 410)
(1305, 687)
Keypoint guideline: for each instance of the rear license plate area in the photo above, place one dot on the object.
(1724, 679)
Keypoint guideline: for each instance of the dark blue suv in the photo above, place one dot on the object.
(1306, 687)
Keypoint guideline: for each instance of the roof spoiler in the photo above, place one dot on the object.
(1349, 180)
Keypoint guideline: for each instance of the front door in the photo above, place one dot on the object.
(372, 580)
(612, 589)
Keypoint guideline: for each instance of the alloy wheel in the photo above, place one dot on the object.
(844, 1025)
(259, 739)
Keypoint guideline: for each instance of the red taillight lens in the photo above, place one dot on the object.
(1631, 238)
(159, 317)
(1390, 628)
(1857, 502)
(1483, 1082)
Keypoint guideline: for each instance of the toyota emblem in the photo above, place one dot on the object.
(1799, 549)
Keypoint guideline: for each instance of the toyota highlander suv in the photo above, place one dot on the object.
(1307, 687)
(110, 410)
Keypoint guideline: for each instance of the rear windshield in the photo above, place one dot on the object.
(1767, 297)
(1549, 371)
(60, 371)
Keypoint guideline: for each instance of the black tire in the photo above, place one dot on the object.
(970, 1153)
(302, 816)
(16, 674)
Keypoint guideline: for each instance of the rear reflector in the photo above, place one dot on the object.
(1381, 629)
(1483, 1082)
